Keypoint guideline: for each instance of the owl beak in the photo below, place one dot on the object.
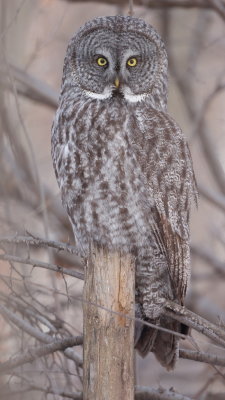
(117, 82)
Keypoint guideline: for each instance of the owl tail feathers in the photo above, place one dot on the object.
(165, 346)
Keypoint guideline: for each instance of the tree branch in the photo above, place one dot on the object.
(142, 393)
(214, 197)
(146, 393)
(37, 241)
(215, 5)
(32, 354)
(182, 314)
(41, 264)
(202, 357)
(46, 390)
(208, 257)
(206, 141)
(25, 326)
(40, 242)
(35, 332)
(31, 87)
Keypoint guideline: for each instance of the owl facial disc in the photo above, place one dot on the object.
(121, 59)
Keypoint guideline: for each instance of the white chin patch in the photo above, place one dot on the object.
(106, 94)
(133, 98)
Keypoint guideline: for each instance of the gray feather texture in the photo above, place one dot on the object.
(123, 166)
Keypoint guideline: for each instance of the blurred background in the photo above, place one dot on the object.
(34, 35)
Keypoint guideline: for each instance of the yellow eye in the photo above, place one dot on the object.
(102, 61)
(132, 62)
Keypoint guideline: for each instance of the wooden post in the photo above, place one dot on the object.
(108, 338)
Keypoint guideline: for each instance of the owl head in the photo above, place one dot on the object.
(118, 56)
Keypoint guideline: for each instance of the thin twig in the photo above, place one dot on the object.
(35, 332)
(37, 241)
(41, 264)
(25, 326)
(142, 393)
(173, 310)
(32, 354)
(47, 390)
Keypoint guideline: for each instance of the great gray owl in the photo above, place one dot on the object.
(123, 166)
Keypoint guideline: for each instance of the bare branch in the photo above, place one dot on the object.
(25, 326)
(29, 310)
(46, 390)
(142, 393)
(62, 393)
(30, 146)
(182, 314)
(32, 354)
(185, 87)
(211, 155)
(207, 256)
(202, 357)
(5, 31)
(204, 306)
(40, 242)
(35, 332)
(146, 393)
(40, 264)
(174, 311)
(206, 141)
(37, 241)
(216, 198)
(215, 5)
(31, 87)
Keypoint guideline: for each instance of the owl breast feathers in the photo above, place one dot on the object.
(123, 166)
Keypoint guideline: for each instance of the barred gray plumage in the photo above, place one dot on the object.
(123, 166)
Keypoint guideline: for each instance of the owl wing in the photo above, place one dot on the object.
(167, 165)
